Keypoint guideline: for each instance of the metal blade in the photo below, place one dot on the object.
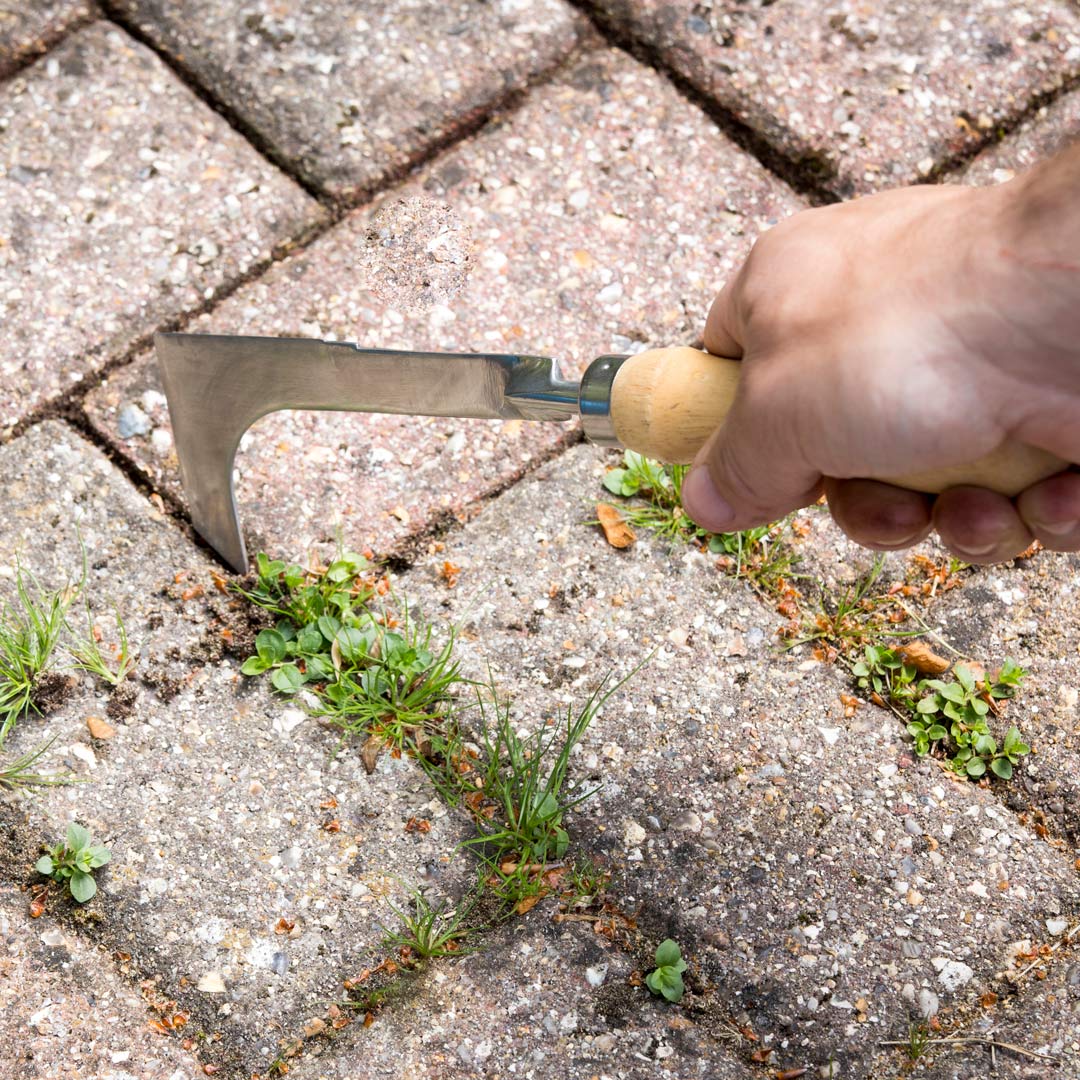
(218, 386)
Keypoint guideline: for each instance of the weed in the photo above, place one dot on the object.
(918, 1041)
(666, 980)
(948, 717)
(29, 631)
(432, 931)
(755, 550)
(583, 883)
(369, 672)
(88, 655)
(73, 863)
(18, 773)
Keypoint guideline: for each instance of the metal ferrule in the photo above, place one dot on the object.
(594, 400)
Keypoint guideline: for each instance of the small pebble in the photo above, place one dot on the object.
(132, 421)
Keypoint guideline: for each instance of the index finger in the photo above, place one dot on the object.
(723, 327)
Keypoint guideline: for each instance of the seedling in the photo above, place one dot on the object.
(666, 980)
(88, 655)
(432, 931)
(73, 863)
(29, 631)
(918, 1041)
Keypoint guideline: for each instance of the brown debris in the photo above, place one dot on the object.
(616, 530)
(923, 659)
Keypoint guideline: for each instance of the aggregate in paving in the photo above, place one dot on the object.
(252, 867)
(1049, 131)
(63, 1013)
(542, 1000)
(863, 96)
(827, 885)
(350, 94)
(604, 215)
(29, 27)
(124, 201)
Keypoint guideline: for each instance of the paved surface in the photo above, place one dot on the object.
(189, 165)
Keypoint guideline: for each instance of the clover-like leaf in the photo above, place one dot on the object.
(270, 645)
(1002, 767)
(254, 665)
(45, 866)
(287, 679)
(82, 886)
(667, 953)
(77, 837)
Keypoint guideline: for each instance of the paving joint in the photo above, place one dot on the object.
(31, 55)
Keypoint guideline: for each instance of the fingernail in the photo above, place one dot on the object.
(704, 503)
(1056, 528)
(975, 551)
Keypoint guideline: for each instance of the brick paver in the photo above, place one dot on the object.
(29, 27)
(350, 93)
(226, 887)
(124, 201)
(64, 1013)
(1050, 130)
(864, 95)
(606, 213)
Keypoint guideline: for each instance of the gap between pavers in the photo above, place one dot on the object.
(63, 1012)
(214, 796)
(124, 202)
(857, 96)
(28, 29)
(825, 883)
(605, 214)
(349, 95)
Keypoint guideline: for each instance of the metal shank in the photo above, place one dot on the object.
(218, 386)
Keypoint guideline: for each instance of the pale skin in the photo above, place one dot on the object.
(894, 334)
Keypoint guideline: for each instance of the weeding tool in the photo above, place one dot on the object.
(664, 403)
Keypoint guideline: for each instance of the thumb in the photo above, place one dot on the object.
(751, 471)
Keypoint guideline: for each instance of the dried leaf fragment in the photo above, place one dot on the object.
(922, 658)
(369, 753)
(98, 728)
(616, 530)
(526, 904)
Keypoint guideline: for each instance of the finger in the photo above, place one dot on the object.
(751, 472)
(979, 525)
(723, 328)
(1051, 510)
(879, 516)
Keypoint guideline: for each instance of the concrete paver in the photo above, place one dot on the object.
(540, 1000)
(124, 201)
(864, 96)
(827, 884)
(351, 93)
(214, 797)
(1050, 130)
(563, 201)
(28, 27)
(64, 1014)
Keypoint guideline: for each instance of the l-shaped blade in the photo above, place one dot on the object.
(218, 386)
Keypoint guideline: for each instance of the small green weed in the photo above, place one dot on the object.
(948, 717)
(666, 980)
(918, 1041)
(73, 863)
(368, 672)
(583, 882)
(432, 931)
(756, 550)
(19, 771)
(30, 629)
(88, 655)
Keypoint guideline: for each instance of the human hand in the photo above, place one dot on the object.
(902, 332)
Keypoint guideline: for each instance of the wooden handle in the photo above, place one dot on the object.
(666, 402)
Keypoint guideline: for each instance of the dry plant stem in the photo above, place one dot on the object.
(1067, 939)
(976, 1040)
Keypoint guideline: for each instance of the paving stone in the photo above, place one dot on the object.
(352, 93)
(1050, 130)
(214, 797)
(826, 884)
(864, 95)
(538, 1000)
(563, 201)
(64, 1013)
(1043, 1018)
(29, 27)
(124, 201)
